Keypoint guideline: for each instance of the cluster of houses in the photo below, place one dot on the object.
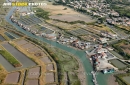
(100, 9)
(119, 21)
(75, 43)
(90, 4)
(103, 40)
(109, 35)
(34, 31)
(100, 59)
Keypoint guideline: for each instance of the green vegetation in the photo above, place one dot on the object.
(64, 60)
(122, 47)
(59, 14)
(109, 1)
(42, 13)
(119, 64)
(123, 11)
(94, 9)
(3, 10)
(73, 22)
(116, 54)
(65, 9)
(10, 58)
(123, 2)
(5, 24)
(3, 74)
(102, 19)
(54, 3)
(127, 79)
(117, 1)
(120, 78)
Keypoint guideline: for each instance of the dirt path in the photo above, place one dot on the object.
(111, 80)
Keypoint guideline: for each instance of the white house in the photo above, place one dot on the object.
(103, 40)
(101, 50)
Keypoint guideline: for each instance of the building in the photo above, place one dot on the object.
(103, 40)
(103, 55)
(101, 50)
(113, 36)
(105, 71)
(49, 36)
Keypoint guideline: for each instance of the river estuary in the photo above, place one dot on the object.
(101, 78)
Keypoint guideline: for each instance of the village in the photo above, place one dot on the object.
(99, 9)
(87, 51)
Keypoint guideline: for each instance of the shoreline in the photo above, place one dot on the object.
(81, 73)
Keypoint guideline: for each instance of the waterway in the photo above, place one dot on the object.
(101, 78)
(10, 36)
(13, 34)
(2, 38)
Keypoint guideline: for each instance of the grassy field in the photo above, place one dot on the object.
(99, 27)
(89, 37)
(123, 79)
(116, 54)
(123, 48)
(3, 10)
(3, 73)
(79, 32)
(58, 9)
(65, 63)
(118, 63)
(125, 27)
(64, 13)
(63, 25)
(10, 58)
(127, 79)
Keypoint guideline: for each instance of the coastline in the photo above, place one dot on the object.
(81, 73)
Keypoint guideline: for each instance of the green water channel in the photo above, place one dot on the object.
(2, 38)
(101, 78)
(13, 34)
(9, 35)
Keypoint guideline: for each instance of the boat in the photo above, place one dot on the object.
(57, 41)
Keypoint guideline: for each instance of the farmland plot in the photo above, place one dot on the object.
(46, 60)
(127, 79)
(79, 32)
(12, 78)
(50, 77)
(34, 72)
(32, 82)
(29, 20)
(118, 63)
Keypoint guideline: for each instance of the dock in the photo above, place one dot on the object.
(94, 78)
